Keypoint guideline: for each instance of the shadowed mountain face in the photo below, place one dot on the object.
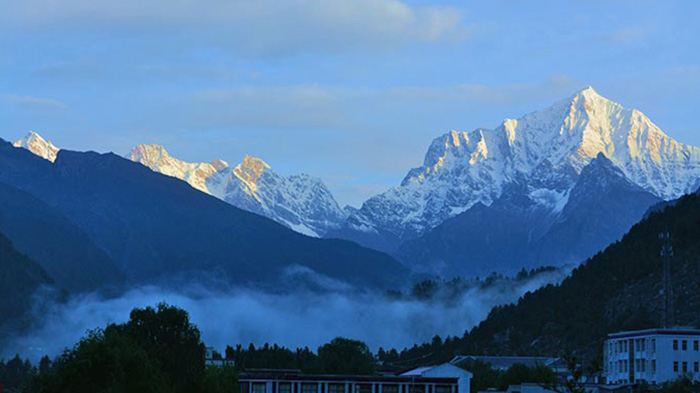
(617, 289)
(155, 226)
(19, 278)
(515, 231)
(45, 235)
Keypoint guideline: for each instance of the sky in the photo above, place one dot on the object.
(351, 91)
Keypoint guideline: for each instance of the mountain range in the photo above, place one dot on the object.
(299, 202)
(151, 227)
(516, 232)
(551, 187)
(540, 154)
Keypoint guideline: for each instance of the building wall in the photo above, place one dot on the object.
(450, 371)
(316, 386)
(651, 358)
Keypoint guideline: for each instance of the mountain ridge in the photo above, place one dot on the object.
(544, 150)
(300, 202)
(155, 226)
(516, 232)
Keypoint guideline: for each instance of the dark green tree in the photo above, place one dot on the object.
(346, 356)
(16, 374)
(104, 361)
(157, 350)
(44, 365)
(167, 335)
(222, 379)
(519, 373)
(684, 384)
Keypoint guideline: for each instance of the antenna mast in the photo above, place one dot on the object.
(667, 257)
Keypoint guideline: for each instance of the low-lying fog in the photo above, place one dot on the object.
(306, 318)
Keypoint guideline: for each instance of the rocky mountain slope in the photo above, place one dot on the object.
(541, 155)
(515, 231)
(300, 202)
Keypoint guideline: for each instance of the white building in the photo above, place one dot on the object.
(445, 370)
(652, 356)
(445, 378)
(210, 359)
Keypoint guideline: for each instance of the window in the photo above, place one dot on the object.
(308, 388)
(284, 387)
(416, 389)
(696, 345)
(653, 366)
(675, 367)
(390, 388)
(443, 389)
(259, 387)
(336, 388)
(653, 345)
(696, 367)
(644, 365)
(675, 345)
(685, 367)
(685, 345)
(363, 388)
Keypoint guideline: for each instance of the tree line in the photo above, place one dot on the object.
(159, 350)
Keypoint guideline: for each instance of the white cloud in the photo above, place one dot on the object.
(555, 87)
(628, 35)
(261, 27)
(34, 103)
(306, 106)
(230, 316)
(324, 106)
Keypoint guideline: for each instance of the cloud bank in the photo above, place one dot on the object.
(261, 27)
(236, 315)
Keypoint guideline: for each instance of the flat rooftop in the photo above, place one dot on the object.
(674, 331)
(295, 377)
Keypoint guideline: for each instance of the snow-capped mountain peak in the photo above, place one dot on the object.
(249, 172)
(299, 202)
(158, 159)
(38, 145)
(543, 151)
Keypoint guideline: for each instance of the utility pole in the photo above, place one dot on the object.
(667, 257)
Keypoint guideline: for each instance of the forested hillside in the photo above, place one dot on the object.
(617, 289)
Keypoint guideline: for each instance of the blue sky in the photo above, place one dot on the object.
(351, 91)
